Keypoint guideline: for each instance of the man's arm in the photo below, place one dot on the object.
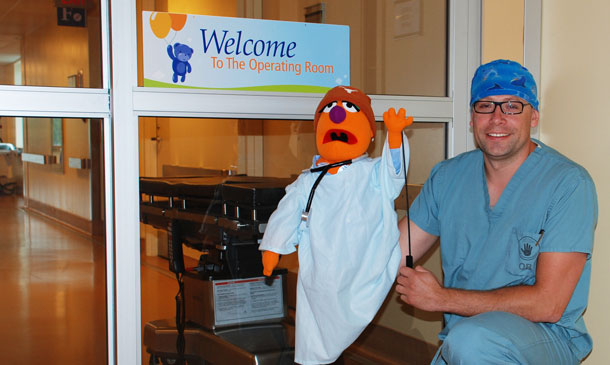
(421, 241)
(557, 275)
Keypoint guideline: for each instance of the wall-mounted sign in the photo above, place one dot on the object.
(207, 52)
(73, 17)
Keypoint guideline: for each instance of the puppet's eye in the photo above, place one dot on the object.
(350, 107)
(328, 107)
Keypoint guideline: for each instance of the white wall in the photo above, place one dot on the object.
(574, 119)
(502, 23)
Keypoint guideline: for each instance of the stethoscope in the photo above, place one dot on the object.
(323, 170)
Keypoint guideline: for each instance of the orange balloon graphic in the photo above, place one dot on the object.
(178, 21)
(160, 23)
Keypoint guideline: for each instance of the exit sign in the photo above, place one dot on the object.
(83, 4)
(72, 17)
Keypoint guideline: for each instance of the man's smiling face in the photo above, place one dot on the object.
(502, 136)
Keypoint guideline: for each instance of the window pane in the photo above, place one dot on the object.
(53, 253)
(42, 45)
(173, 151)
(396, 47)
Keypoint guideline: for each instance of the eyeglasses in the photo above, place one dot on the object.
(509, 107)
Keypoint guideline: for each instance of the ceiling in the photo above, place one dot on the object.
(19, 18)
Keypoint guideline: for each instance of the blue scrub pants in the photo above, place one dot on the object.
(502, 338)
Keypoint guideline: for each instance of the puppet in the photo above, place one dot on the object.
(341, 215)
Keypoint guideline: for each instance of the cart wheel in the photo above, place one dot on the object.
(172, 361)
(154, 360)
(8, 188)
(166, 361)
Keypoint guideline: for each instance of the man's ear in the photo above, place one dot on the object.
(535, 118)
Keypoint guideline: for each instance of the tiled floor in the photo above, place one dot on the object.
(53, 294)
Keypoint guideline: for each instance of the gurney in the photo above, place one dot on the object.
(228, 312)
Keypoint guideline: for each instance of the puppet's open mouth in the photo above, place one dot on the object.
(340, 135)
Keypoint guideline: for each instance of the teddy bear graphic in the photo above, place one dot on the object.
(180, 55)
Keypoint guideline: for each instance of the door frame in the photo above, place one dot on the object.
(129, 102)
(120, 102)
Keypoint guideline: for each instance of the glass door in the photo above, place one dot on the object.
(381, 65)
(55, 111)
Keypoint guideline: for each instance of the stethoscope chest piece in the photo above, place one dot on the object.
(305, 217)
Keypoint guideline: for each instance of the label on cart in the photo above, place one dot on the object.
(247, 300)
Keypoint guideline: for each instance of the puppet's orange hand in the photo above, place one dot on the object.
(396, 122)
(270, 260)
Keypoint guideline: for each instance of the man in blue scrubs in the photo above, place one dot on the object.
(515, 220)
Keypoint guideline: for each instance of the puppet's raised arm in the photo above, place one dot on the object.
(396, 122)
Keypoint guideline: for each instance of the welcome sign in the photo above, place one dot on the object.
(221, 53)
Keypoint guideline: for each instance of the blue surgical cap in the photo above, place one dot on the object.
(503, 77)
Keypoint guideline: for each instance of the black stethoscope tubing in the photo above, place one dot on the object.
(409, 258)
(324, 169)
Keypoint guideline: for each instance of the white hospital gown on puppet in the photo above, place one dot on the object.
(348, 250)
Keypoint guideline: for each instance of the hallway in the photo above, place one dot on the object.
(53, 307)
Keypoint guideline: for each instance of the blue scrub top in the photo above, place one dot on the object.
(485, 248)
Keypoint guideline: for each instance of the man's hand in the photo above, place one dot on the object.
(395, 124)
(420, 288)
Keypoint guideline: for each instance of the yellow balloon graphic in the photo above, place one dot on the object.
(178, 21)
(160, 23)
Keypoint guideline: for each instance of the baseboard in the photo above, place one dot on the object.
(71, 220)
(382, 345)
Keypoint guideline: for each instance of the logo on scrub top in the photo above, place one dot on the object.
(526, 247)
